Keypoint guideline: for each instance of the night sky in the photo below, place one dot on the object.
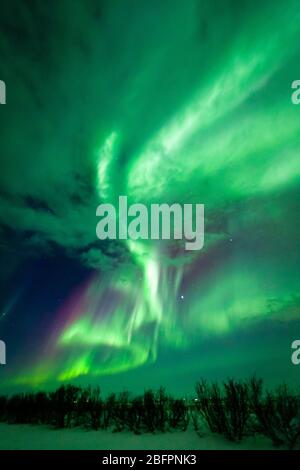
(161, 101)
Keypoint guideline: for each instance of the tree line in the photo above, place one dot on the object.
(234, 409)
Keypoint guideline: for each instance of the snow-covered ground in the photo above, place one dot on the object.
(18, 437)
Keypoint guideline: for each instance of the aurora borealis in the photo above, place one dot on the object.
(164, 102)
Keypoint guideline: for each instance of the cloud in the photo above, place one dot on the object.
(74, 79)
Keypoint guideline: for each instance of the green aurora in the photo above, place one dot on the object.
(164, 102)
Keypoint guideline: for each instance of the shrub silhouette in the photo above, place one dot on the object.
(135, 415)
(3, 406)
(277, 413)
(225, 411)
(178, 414)
(121, 411)
(92, 404)
(161, 410)
(63, 402)
(149, 411)
(109, 411)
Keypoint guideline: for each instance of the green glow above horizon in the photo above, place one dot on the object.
(185, 103)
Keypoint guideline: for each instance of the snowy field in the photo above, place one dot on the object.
(19, 437)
